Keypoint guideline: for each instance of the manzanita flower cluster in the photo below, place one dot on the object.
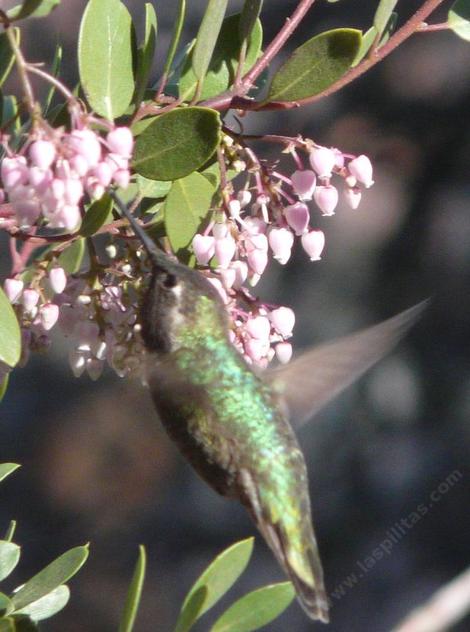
(263, 220)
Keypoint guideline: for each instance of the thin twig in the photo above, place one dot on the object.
(447, 606)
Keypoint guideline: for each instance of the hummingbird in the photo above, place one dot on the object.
(232, 423)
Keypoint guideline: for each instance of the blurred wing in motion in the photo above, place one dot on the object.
(311, 381)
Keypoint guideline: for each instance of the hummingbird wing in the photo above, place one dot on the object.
(311, 381)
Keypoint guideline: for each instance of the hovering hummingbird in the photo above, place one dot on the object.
(233, 423)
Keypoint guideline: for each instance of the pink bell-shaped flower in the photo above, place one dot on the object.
(57, 279)
(30, 299)
(297, 216)
(204, 247)
(283, 352)
(13, 289)
(42, 153)
(281, 241)
(259, 327)
(304, 183)
(322, 160)
(326, 198)
(258, 260)
(283, 320)
(361, 169)
(353, 197)
(121, 141)
(313, 244)
(225, 249)
(48, 315)
(241, 272)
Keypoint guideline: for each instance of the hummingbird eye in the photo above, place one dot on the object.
(169, 281)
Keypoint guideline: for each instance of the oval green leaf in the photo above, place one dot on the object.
(99, 213)
(54, 575)
(176, 144)
(152, 188)
(6, 55)
(71, 258)
(10, 334)
(5, 605)
(48, 605)
(459, 19)
(368, 38)
(383, 13)
(206, 39)
(134, 594)
(185, 209)
(32, 9)
(315, 65)
(249, 17)
(223, 66)
(7, 468)
(256, 609)
(105, 57)
(9, 558)
(222, 573)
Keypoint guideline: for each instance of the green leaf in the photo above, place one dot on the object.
(48, 605)
(256, 609)
(9, 558)
(5, 605)
(459, 19)
(54, 575)
(7, 468)
(7, 56)
(7, 625)
(177, 143)
(222, 573)
(186, 207)
(10, 334)
(383, 13)
(368, 39)
(105, 57)
(389, 29)
(134, 594)
(145, 54)
(207, 37)
(32, 8)
(10, 112)
(4, 385)
(249, 17)
(71, 258)
(315, 65)
(223, 66)
(175, 37)
(99, 213)
(191, 610)
(152, 188)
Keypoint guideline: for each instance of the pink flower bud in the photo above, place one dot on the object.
(256, 349)
(14, 172)
(57, 189)
(42, 153)
(304, 183)
(241, 272)
(30, 299)
(259, 327)
(79, 165)
(234, 208)
(48, 315)
(258, 260)
(228, 276)
(94, 368)
(121, 141)
(220, 289)
(77, 362)
(339, 158)
(322, 160)
(284, 352)
(69, 217)
(361, 169)
(204, 247)
(122, 178)
(244, 197)
(85, 143)
(326, 198)
(256, 242)
(103, 173)
(283, 320)
(40, 179)
(220, 230)
(224, 251)
(297, 216)
(73, 191)
(281, 241)
(57, 280)
(13, 289)
(313, 244)
(27, 212)
(353, 197)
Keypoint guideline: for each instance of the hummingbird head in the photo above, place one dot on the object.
(172, 302)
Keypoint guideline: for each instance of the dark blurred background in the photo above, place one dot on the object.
(96, 465)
